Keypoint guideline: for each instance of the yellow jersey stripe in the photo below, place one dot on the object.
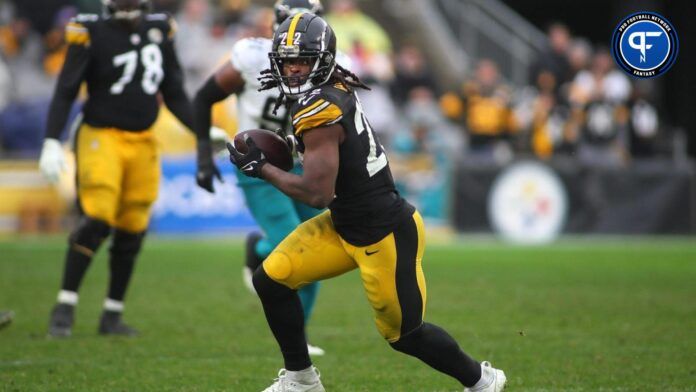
(76, 27)
(329, 115)
(340, 86)
(293, 26)
(308, 108)
(332, 122)
(76, 34)
(311, 112)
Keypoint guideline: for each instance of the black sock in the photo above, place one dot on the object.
(284, 314)
(82, 245)
(124, 249)
(76, 264)
(434, 346)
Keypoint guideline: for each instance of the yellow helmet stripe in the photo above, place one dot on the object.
(293, 26)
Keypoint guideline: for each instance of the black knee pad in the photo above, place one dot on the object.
(267, 287)
(126, 244)
(89, 233)
(409, 342)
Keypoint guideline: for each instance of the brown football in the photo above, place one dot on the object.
(273, 146)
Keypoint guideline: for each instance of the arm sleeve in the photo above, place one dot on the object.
(207, 95)
(172, 89)
(212, 91)
(69, 80)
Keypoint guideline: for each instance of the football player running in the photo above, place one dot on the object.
(368, 225)
(126, 57)
(275, 213)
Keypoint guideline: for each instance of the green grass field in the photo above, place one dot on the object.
(576, 316)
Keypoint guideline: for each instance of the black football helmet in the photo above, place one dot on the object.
(286, 8)
(307, 37)
(127, 10)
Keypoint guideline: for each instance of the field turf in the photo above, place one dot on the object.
(579, 315)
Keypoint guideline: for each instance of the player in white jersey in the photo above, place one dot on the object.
(255, 108)
(275, 213)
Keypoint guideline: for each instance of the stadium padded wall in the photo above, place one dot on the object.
(645, 198)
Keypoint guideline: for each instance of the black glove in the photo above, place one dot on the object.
(250, 163)
(206, 168)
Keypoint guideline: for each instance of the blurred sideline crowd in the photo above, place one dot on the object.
(576, 103)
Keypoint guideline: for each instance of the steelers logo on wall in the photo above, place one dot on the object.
(528, 204)
(645, 44)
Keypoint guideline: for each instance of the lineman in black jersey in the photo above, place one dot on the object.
(126, 58)
(368, 226)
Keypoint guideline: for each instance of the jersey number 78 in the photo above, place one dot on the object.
(151, 58)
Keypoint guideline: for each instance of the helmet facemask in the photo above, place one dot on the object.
(126, 10)
(307, 39)
(322, 66)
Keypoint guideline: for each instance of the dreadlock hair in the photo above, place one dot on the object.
(340, 75)
(347, 78)
(268, 82)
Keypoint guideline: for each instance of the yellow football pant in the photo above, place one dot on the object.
(390, 269)
(118, 175)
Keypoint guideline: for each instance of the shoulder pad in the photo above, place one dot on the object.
(250, 55)
(85, 18)
(317, 108)
(340, 86)
(160, 16)
(164, 21)
(77, 30)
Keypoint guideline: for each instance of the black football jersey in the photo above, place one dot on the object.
(367, 206)
(123, 68)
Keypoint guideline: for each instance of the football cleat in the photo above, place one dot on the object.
(252, 260)
(61, 322)
(284, 384)
(111, 324)
(315, 351)
(495, 376)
